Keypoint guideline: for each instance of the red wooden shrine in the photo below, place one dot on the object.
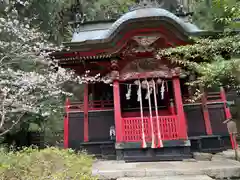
(141, 113)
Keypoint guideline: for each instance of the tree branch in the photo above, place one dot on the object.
(13, 125)
(3, 113)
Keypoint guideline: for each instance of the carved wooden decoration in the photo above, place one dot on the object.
(114, 69)
(146, 40)
(146, 64)
(114, 75)
(114, 64)
(149, 67)
(144, 43)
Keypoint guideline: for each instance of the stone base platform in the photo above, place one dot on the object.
(119, 169)
(201, 177)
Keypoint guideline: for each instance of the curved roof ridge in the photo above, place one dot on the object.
(146, 12)
(150, 12)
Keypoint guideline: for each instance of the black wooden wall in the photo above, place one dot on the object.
(99, 125)
(195, 120)
(101, 121)
(217, 116)
(76, 130)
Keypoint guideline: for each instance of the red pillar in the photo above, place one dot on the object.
(206, 115)
(66, 119)
(179, 107)
(86, 113)
(117, 111)
(224, 99)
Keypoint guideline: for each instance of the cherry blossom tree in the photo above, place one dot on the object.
(28, 83)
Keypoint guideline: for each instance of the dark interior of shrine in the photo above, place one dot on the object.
(100, 93)
(104, 92)
(130, 107)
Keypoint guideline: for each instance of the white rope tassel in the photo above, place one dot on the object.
(148, 93)
(160, 144)
(144, 145)
(128, 95)
(138, 94)
(151, 120)
(162, 90)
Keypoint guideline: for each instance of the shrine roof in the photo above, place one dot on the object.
(103, 30)
(89, 35)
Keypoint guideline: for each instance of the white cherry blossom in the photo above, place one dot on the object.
(30, 91)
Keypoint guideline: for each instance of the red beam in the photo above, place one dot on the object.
(224, 99)
(86, 113)
(143, 75)
(66, 119)
(179, 106)
(117, 111)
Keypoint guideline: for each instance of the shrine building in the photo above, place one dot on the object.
(138, 110)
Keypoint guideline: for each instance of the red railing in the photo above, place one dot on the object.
(98, 105)
(132, 128)
(92, 105)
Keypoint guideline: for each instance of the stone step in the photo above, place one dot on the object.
(163, 157)
(119, 169)
(199, 177)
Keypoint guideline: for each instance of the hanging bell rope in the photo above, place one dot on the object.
(144, 144)
(151, 120)
(160, 144)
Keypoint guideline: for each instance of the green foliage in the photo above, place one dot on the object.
(50, 163)
(53, 129)
(94, 10)
(214, 59)
(211, 59)
(205, 50)
(108, 9)
(53, 16)
(216, 14)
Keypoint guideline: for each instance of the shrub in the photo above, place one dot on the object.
(50, 163)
